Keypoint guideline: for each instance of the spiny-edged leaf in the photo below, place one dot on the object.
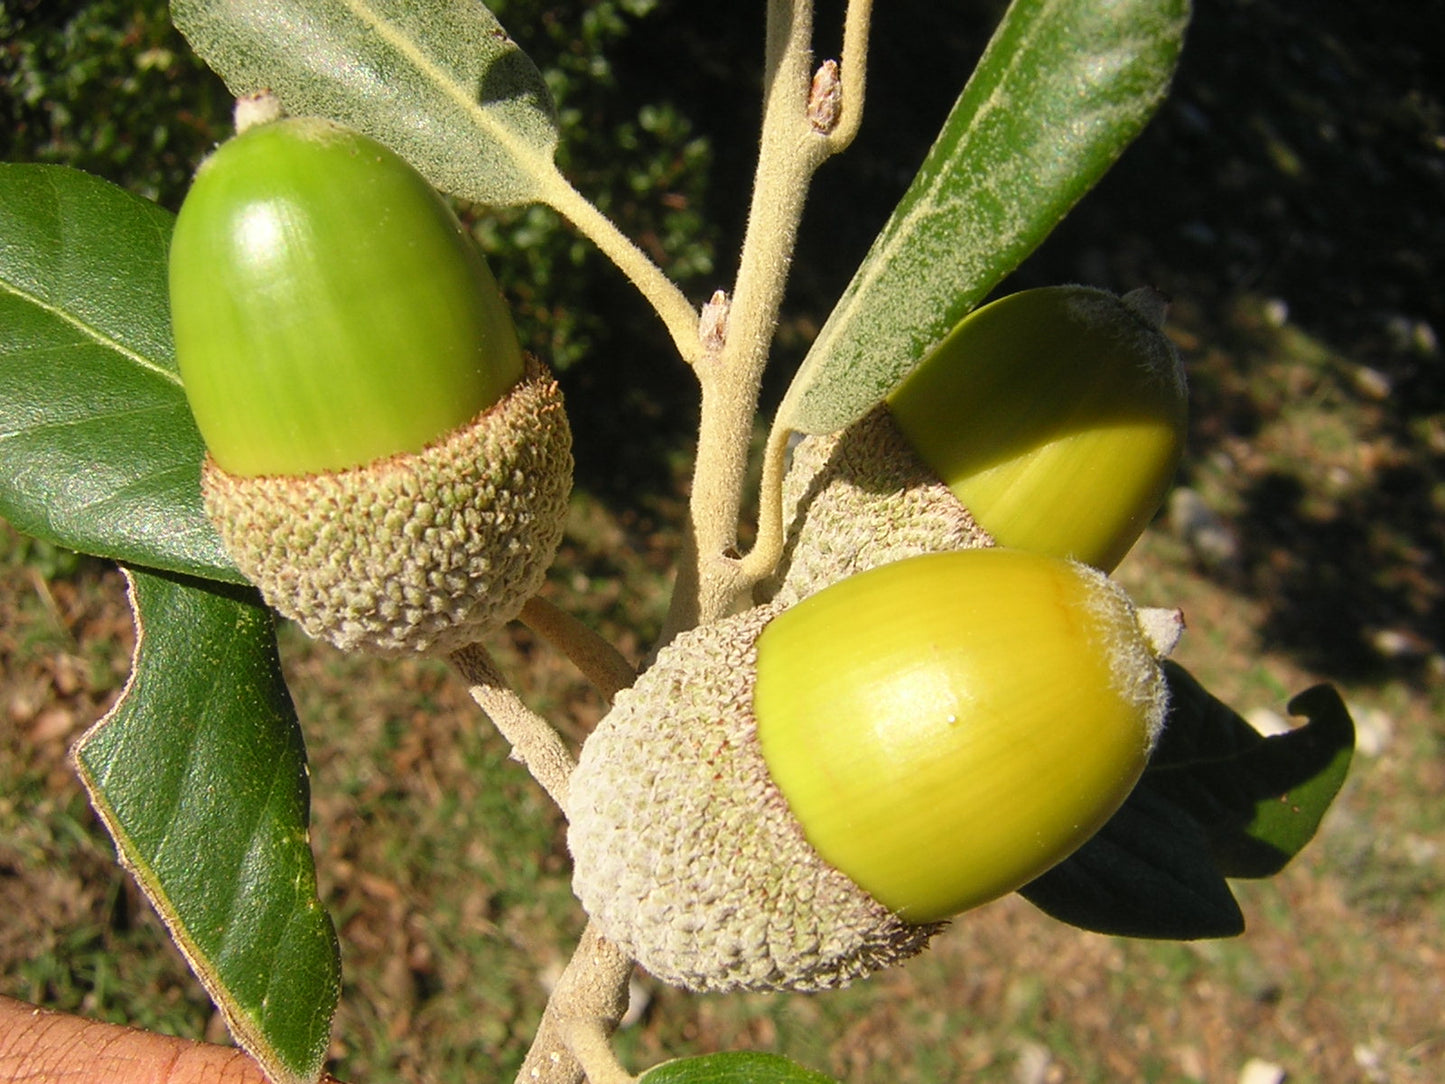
(739, 1067)
(1217, 800)
(199, 774)
(1061, 90)
(438, 81)
(1260, 799)
(1147, 873)
(98, 451)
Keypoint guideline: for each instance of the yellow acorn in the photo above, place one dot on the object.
(384, 463)
(1055, 419)
(794, 797)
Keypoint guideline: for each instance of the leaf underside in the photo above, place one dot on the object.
(1063, 87)
(1261, 799)
(438, 81)
(1218, 800)
(199, 774)
(98, 450)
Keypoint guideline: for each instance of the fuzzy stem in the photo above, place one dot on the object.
(586, 1004)
(712, 578)
(767, 550)
(728, 352)
(589, 1041)
(662, 293)
(600, 662)
(731, 376)
(854, 74)
(768, 547)
(534, 743)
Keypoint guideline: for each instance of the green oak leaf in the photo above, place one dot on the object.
(1063, 87)
(1260, 799)
(1217, 800)
(438, 81)
(98, 450)
(736, 1067)
(1147, 873)
(199, 774)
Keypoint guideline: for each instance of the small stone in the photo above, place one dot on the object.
(1034, 1061)
(1372, 384)
(639, 997)
(1374, 730)
(1202, 529)
(1259, 1071)
(1267, 721)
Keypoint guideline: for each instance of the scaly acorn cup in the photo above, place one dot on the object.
(860, 499)
(1055, 417)
(793, 798)
(384, 462)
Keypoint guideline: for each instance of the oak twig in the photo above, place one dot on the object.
(852, 75)
(807, 117)
(677, 313)
(768, 547)
(589, 999)
(586, 1004)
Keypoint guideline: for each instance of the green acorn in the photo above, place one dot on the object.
(1054, 418)
(384, 462)
(794, 797)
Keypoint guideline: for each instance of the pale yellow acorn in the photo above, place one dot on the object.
(792, 798)
(1050, 420)
(384, 462)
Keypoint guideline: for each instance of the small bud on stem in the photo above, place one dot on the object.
(712, 326)
(825, 99)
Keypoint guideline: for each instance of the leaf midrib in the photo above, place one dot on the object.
(540, 166)
(92, 332)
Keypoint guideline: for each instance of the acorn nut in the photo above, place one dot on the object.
(384, 462)
(1055, 419)
(793, 798)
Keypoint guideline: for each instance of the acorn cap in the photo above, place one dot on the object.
(685, 852)
(860, 499)
(420, 551)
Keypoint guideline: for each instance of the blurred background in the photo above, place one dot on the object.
(1289, 197)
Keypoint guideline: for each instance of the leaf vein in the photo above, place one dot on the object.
(89, 330)
(459, 93)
